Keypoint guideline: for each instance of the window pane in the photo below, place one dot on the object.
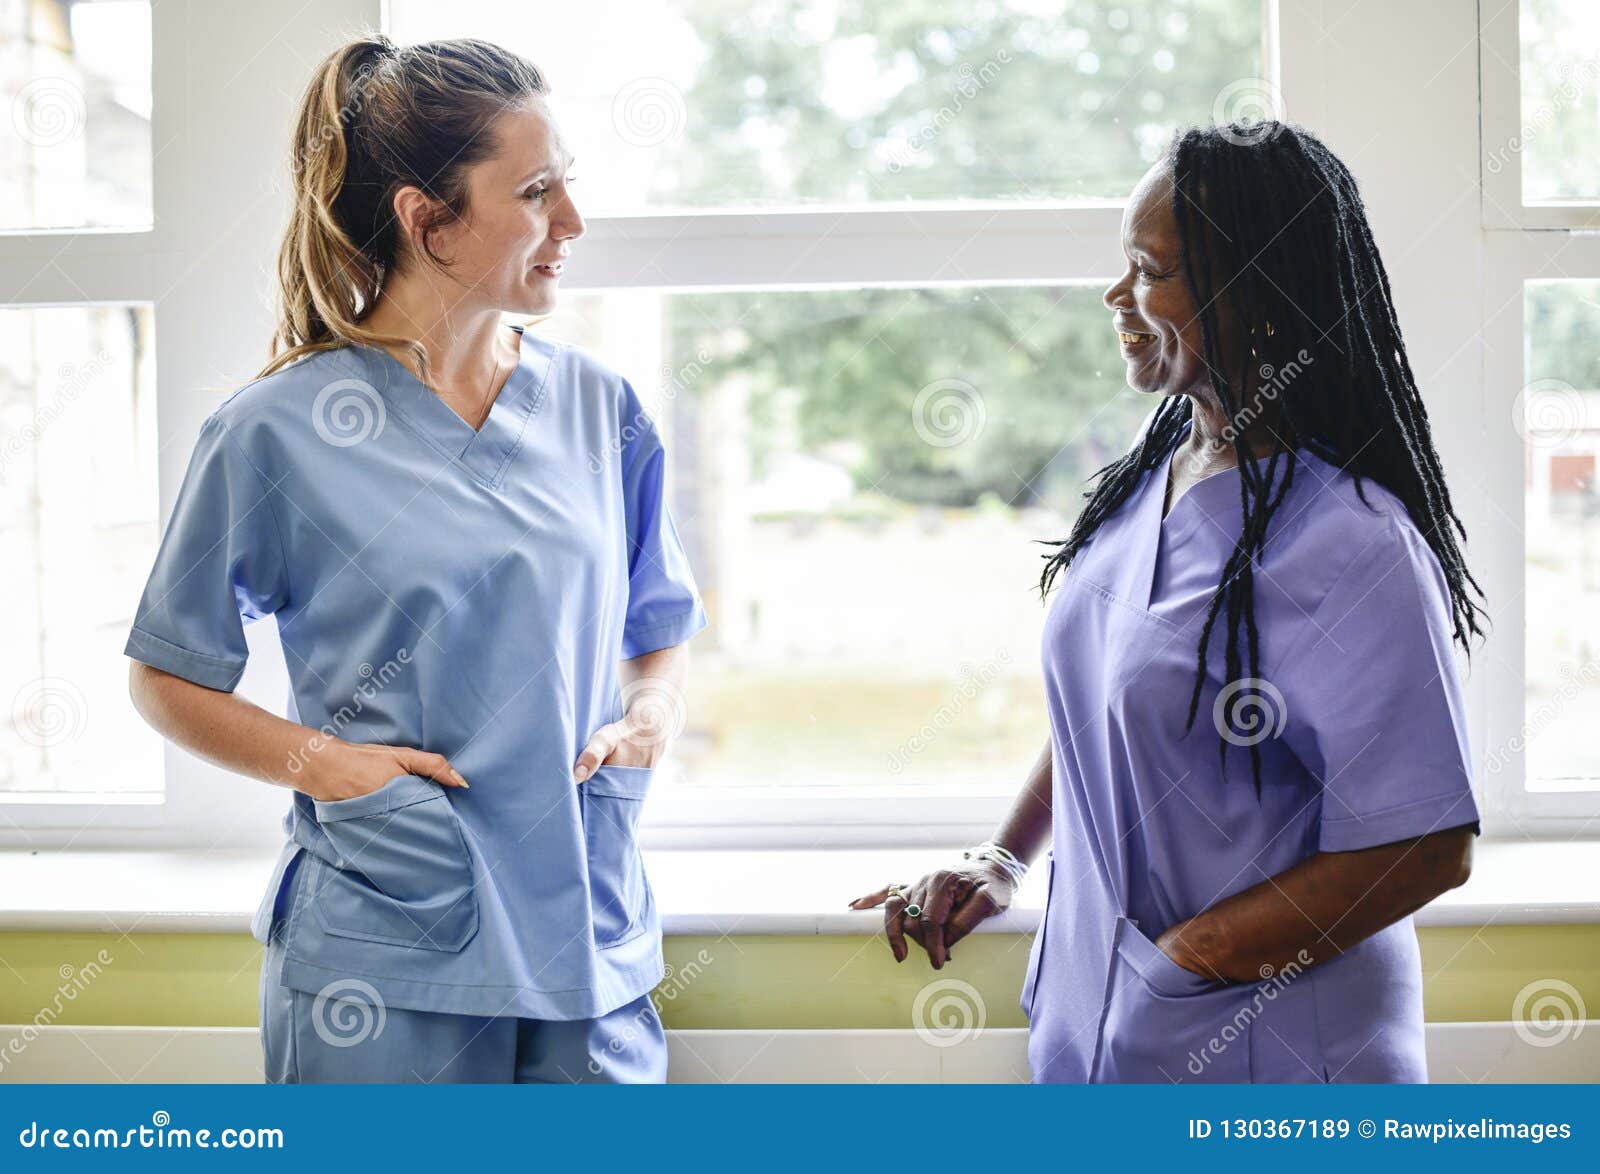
(819, 101)
(75, 79)
(1560, 129)
(1561, 424)
(77, 536)
(862, 478)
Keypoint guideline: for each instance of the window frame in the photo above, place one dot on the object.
(1521, 243)
(1504, 132)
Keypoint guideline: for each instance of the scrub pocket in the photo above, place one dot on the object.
(1030, 984)
(612, 800)
(1164, 1024)
(402, 873)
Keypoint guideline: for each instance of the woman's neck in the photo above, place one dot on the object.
(463, 343)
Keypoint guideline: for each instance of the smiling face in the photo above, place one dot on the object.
(520, 221)
(1152, 309)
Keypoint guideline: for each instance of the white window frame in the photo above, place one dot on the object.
(1521, 243)
(1343, 69)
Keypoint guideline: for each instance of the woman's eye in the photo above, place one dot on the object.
(536, 193)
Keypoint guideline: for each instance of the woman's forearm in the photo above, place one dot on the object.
(1319, 908)
(1026, 829)
(224, 728)
(668, 666)
(233, 733)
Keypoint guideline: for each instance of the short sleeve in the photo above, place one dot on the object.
(220, 563)
(1373, 701)
(664, 606)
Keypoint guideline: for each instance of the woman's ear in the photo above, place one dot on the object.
(416, 215)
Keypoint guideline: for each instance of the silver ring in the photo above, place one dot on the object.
(912, 910)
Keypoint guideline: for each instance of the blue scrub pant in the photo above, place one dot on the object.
(347, 1036)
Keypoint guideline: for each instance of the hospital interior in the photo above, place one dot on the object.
(862, 276)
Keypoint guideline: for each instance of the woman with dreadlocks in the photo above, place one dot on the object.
(1258, 766)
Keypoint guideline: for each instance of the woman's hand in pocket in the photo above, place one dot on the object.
(949, 904)
(1180, 942)
(617, 744)
(343, 770)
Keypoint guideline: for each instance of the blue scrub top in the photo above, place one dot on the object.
(465, 592)
(1359, 717)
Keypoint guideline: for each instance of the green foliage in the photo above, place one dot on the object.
(1563, 341)
(867, 100)
(839, 372)
(948, 99)
(1560, 96)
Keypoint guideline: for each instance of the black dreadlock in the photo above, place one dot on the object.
(1271, 220)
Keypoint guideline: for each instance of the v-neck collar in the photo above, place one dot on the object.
(1212, 500)
(485, 452)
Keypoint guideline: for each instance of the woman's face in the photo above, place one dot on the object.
(1151, 306)
(520, 220)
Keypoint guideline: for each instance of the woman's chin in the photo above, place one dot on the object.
(535, 300)
(1145, 378)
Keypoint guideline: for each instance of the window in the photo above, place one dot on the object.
(1542, 356)
(75, 78)
(126, 316)
(1560, 82)
(863, 478)
(76, 397)
(852, 255)
(1541, 138)
(707, 103)
(1561, 422)
(856, 255)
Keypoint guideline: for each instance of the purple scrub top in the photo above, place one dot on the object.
(1359, 718)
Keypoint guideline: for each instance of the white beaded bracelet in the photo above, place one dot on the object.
(1000, 855)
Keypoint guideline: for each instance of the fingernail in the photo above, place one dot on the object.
(460, 781)
(581, 773)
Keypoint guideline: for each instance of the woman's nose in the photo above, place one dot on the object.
(569, 225)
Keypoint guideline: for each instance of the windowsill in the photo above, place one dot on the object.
(799, 893)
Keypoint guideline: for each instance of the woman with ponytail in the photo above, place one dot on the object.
(462, 532)
(1258, 764)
